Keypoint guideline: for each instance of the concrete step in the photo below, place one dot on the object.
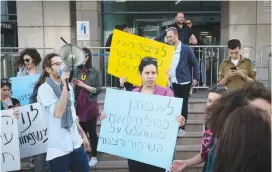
(182, 152)
(122, 166)
(191, 126)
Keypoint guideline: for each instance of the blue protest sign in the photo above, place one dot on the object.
(140, 127)
(22, 88)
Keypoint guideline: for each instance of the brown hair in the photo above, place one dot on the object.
(46, 63)
(232, 101)
(245, 142)
(33, 53)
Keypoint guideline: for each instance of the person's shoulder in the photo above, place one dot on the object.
(136, 89)
(44, 88)
(224, 61)
(247, 60)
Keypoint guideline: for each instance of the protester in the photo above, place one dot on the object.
(245, 142)
(28, 62)
(184, 32)
(7, 102)
(193, 40)
(87, 87)
(237, 71)
(208, 138)
(122, 27)
(180, 72)
(255, 95)
(148, 69)
(65, 136)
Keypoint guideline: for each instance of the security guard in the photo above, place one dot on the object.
(237, 71)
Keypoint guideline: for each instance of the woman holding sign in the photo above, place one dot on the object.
(148, 70)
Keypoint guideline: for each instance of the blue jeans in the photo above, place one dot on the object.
(76, 161)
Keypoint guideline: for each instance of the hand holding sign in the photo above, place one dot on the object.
(127, 50)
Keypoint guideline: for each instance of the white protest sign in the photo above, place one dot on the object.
(10, 153)
(32, 130)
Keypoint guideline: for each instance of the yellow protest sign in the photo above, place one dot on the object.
(127, 51)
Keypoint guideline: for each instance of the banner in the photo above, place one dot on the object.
(127, 51)
(32, 130)
(140, 127)
(22, 88)
(10, 153)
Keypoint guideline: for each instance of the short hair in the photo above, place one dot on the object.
(234, 43)
(173, 29)
(117, 27)
(179, 13)
(245, 142)
(33, 53)
(123, 26)
(148, 61)
(229, 102)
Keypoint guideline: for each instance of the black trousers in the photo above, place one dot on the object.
(90, 127)
(183, 91)
(136, 166)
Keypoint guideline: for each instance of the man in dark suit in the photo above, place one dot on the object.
(180, 72)
(185, 34)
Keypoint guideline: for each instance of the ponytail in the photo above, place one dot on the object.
(38, 84)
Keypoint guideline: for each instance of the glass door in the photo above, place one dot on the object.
(148, 29)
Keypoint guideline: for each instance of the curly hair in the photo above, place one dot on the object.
(33, 53)
(232, 101)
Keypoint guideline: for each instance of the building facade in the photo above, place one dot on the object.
(42, 23)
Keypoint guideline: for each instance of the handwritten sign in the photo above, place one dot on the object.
(22, 88)
(140, 127)
(32, 130)
(127, 51)
(10, 153)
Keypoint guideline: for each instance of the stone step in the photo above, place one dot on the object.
(182, 152)
(191, 126)
(122, 166)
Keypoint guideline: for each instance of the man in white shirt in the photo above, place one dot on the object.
(181, 71)
(65, 136)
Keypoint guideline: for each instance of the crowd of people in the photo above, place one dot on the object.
(237, 131)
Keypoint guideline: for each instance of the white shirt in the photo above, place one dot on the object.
(174, 65)
(60, 141)
(235, 62)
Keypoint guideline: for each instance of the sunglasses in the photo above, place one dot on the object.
(26, 60)
(5, 81)
(188, 23)
(149, 59)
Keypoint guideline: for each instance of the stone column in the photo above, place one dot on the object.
(248, 22)
(91, 11)
(42, 23)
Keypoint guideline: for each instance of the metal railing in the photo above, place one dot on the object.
(10, 56)
(209, 58)
(265, 57)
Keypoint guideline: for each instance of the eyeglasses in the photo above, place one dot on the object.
(57, 64)
(26, 60)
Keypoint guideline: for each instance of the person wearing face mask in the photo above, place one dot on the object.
(87, 88)
(148, 69)
(67, 142)
(29, 61)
